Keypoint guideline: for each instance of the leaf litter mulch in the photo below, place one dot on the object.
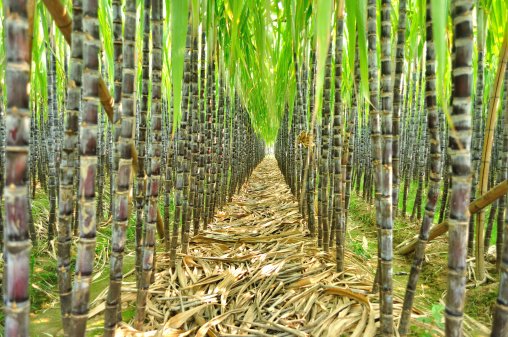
(254, 273)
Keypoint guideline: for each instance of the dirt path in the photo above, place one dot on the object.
(254, 273)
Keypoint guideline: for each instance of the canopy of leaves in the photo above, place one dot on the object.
(259, 44)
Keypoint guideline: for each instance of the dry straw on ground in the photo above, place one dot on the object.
(253, 273)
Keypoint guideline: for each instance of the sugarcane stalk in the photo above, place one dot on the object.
(459, 148)
(87, 170)
(397, 96)
(500, 315)
(180, 149)
(154, 167)
(194, 131)
(503, 175)
(141, 134)
(51, 143)
(375, 122)
(201, 142)
(324, 166)
(186, 127)
(17, 121)
(209, 141)
(386, 220)
(117, 122)
(488, 140)
(338, 214)
(66, 192)
(122, 192)
(435, 173)
(309, 171)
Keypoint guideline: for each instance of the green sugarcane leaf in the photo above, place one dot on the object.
(106, 22)
(440, 10)
(179, 21)
(195, 16)
(350, 32)
(361, 10)
(323, 19)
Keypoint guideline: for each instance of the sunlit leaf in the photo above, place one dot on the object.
(179, 20)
